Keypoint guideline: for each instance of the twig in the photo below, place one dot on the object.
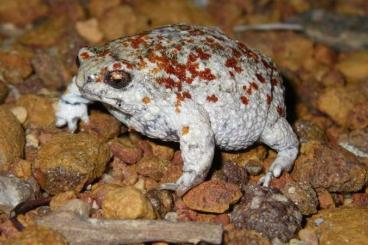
(99, 231)
(269, 26)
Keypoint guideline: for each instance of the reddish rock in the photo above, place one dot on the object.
(213, 196)
(267, 211)
(326, 167)
(161, 201)
(152, 167)
(235, 174)
(360, 200)
(102, 125)
(325, 199)
(125, 151)
(235, 236)
(302, 195)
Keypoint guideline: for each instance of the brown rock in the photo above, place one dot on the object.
(12, 138)
(21, 169)
(340, 225)
(252, 155)
(161, 201)
(89, 30)
(3, 91)
(356, 142)
(125, 150)
(46, 34)
(15, 66)
(127, 203)
(97, 7)
(302, 195)
(324, 54)
(120, 21)
(234, 236)
(325, 199)
(347, 105)
(102, 125)
(360, 200)
(233, 173)
(354, 66)
(308, 130)
(124, 172)
(213, 196)
(308, 236)
(152, 167)
(38, 235)
(162, 151)
(40, 112)
(267, 211)
(60, 199)
(325, 167)
(20, 12)
(68, 161)
(174, 170)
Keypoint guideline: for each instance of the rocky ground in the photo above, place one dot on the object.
(107, 171)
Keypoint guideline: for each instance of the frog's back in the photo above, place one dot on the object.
(236, 85)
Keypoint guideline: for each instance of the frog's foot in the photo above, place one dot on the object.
(71, 108)
(280, 137)
(70, 113)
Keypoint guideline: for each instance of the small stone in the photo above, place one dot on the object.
(12, 138)
(14, 191)
(15, 66)
(161, 151)
(235, 174)
(308, 236)
(40, 112)
(20, 113)
(236, 236)
(126, 151)
(38, 235)
(152, 167)
(356, 142)
(267, 211)
(77, 206)
(60, 199)
(354, 66)
(340, 225)
(214, 196)
(250, 156)
(102, 125)
(308, 130)
(325, 199)
(161, 201)
(302, 195)
(21, 13)
(325, 167)
(89, 30)
(126, 203)
(360, 200)
(21, 169)
(68, 161)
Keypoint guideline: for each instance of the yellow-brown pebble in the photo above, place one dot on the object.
(127, 203)
(36, 235)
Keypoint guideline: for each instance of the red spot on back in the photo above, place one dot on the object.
(280, 110)
(269, 99)
(244, 100)
(232, 63)
(260, 78)
(254, 85)
(168, 82)
(266, 64)
(135, 42)
(202, 55)
(103, 53)
(274, 82)
(213, 98)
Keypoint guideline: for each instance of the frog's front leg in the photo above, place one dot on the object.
(72, 106)
(197, 145)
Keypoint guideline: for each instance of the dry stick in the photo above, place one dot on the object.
(99, 231)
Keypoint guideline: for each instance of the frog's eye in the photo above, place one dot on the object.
(117, 79)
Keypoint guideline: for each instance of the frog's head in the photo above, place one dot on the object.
(102, 77)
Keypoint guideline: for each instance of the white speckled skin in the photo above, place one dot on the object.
(189, 84)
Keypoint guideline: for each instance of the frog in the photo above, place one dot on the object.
(189, 84)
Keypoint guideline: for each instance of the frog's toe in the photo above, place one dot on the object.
(266, 179)
(169, 186)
